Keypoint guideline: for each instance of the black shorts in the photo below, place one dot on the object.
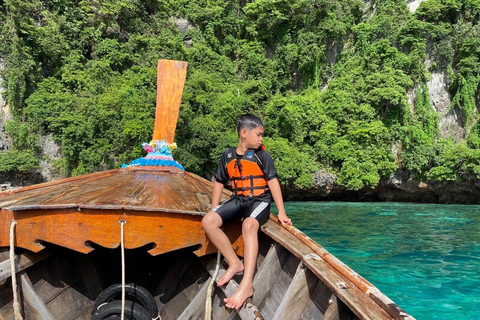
(237, 207)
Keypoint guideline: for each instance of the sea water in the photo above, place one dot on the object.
(425, 257)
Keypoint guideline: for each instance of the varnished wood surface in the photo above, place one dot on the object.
(170, 80)
(161, 206)
(165, 189)
(164, 207)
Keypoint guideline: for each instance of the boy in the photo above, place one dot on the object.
(254, 182)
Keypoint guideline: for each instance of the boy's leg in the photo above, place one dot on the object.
(250, 252)
(212, 223)
(257, 212)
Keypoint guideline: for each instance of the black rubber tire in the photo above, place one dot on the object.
(132, 290)
(114, 308)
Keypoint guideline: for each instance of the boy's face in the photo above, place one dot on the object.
(253, 137)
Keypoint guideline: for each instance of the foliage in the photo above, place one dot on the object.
(331, 79)
(18, 161)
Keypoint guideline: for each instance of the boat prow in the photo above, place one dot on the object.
(75, 244)
(59, 224)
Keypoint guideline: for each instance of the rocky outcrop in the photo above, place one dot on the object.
(450, 124)
(50, 152)
(401, 186)
(414, 4)
(183, 26)
(5, 141)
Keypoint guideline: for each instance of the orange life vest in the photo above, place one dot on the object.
(247, 176)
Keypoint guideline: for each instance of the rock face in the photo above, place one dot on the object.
(401, 186)
(50, 151)
(5, 141)
(183, 26)
(450, 124)
(414, 4)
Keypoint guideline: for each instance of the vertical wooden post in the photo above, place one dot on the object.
(170, 80)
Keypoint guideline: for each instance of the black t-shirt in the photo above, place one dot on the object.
(267, 165)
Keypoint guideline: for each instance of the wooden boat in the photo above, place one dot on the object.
(75, 237)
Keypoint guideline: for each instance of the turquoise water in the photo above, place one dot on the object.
(425, 257)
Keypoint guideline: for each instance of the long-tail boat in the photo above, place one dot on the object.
(65, 244)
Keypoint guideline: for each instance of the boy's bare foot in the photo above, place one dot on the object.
(236, 301)
(231, 271)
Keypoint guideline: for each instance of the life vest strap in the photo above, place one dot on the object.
(251, 188)
(247, 177)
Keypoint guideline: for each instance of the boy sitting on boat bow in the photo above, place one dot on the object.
(254, 182)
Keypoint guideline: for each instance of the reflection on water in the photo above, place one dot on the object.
(425, 257)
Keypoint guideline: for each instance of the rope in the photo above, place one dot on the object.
(208, 301)
(16, 304)
(122, 223)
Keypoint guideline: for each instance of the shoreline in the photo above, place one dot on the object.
(401, 186)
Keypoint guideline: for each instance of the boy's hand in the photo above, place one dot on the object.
(284, 219)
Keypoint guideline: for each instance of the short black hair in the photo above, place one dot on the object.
(249, 122)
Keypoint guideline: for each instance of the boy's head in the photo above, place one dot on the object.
(249, 122)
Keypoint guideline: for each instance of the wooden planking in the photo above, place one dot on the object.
(355, 298)
(92, 280)
(170, 280)
(272, 302)
(268, 272)
(218, 306)
(395, 311)
(4, 255)
(13, 196)
(196, 307)
(33, 299)
(233, 316)
(248, 311)
(175, 306)
(337, 310)
(319, 302)
(155, 188)
(180, 286)
(22, 262)
(58, 282)
(297, 295)
(311, 312)
(6, 302)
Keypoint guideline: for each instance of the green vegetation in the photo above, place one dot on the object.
(330, 78)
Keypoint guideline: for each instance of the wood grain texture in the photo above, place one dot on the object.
(248, 311)
(268, 272)
(163, 206)
(22, 262)
(297, 295)
(75, 229)
(197, 306)
(33, 299)
(360, 303)
(170, 80)
(375, 295)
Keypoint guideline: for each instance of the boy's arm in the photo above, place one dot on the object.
(216, 194)
(274, 186)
